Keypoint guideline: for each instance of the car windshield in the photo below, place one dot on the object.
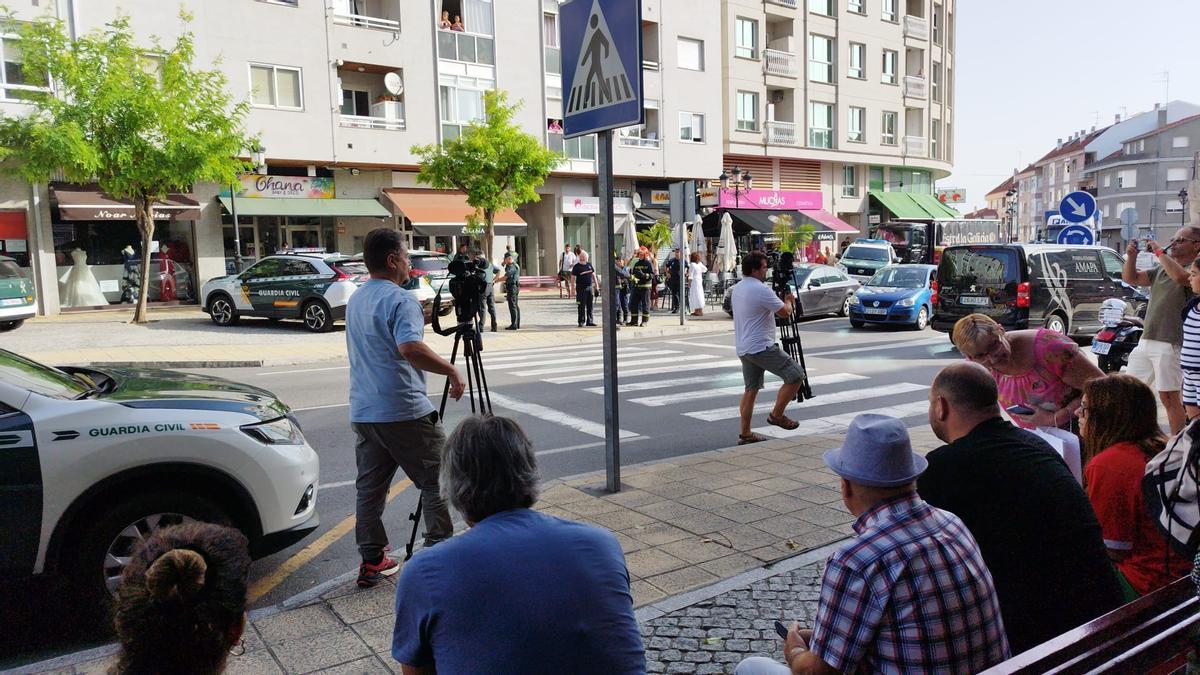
(433, 263)
(871, 253)
(354, 268)
(9, 270)
(899, 277)
(44, 380)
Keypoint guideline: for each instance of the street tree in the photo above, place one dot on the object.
(138, 119)
(657, 236)
(496, 164)
(792, 236)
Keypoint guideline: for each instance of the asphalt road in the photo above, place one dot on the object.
(678, 395)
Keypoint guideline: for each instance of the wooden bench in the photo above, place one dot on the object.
(1153, 634)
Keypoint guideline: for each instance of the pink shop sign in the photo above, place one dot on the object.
(791, 200)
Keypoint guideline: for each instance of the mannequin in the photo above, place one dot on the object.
(166, 277)
(131, 281)
(81, 287)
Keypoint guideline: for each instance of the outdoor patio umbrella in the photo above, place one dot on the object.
(629, 241)
(726, 246)
(698, 243)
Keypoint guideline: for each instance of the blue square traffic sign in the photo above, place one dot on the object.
(601, 65)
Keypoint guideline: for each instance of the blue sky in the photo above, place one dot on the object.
(1031, 71)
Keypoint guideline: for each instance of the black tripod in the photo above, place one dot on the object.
(789, 337)
(467, 333)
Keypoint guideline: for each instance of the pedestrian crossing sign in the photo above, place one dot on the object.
(602, 65)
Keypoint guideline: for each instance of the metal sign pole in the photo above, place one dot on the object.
(609, 315)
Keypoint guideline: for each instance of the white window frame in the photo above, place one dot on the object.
(275, 68)
(858, 53)
(935, 139)
(935, 82)
(1173, 206)
(889, 76)
(819, 65)
(826, 8)
(691, 124)
(5, 86)
(682, 41)
(828, 131)
(1127, 178)
(1107, 180)
(577, 145)
(1181, 142)
(856, 126)
(883, 127)
(1178, 174)
(456, 84)
(849, 180)
(857, 7)
(741, 50)
(890, 11)
(935, 25)
(1121, 206)
(743, 123)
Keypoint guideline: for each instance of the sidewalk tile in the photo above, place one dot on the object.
(629, 544)
(675, 490)
(707, 501)
(592, 507)
(365, 666)
(365, 604)
(745, 492)
(779, 483)
(730, 565)
(682, 580)
(303, 655)
(656, 534)
(645, 593)
(377, 632)
(781, 503)
(696, 549)
(251, 639)
(747, 537)
(779, 456)
(253, 663)
(747, 461)
(631, 498)
(94, 667)
(668, 511)
(824, 516)
(715, 467)
(556, 512)
(817, 495)
(703, 523)
(560, 494)
(298, 623)
(623, 519)
(743, 512)
(784, 526)
(747, 475)
(712, 482)
(651, 561)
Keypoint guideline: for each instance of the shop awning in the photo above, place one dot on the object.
(648, 216)
(748, 221)
(95, 205)
(912, 206)
(256, 206)
(828, 222)
(444, 213)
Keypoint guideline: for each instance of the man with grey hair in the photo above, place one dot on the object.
(585, 282)
(521, 591)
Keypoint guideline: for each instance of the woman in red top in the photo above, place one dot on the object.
(1120, 432)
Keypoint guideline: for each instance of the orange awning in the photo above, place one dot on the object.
(435, 213)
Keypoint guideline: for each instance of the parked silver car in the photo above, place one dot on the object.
(819, 290)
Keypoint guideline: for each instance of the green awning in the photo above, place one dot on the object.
(256, 206)
(914, 206)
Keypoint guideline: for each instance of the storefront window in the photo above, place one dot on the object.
(99, 262)
(577, 231)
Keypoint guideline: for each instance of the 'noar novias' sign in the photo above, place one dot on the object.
(285, 187)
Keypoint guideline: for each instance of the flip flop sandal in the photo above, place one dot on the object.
(782, 422)
(750, 438)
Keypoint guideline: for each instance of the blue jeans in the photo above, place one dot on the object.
(760, 665)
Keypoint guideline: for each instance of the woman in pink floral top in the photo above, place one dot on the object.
(1038, 368)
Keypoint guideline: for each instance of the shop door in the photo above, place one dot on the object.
(300, 237)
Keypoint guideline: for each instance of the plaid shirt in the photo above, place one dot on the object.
(911, 594)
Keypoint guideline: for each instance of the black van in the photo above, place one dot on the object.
(1055, 286)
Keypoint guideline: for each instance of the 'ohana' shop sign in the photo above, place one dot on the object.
(285, 187)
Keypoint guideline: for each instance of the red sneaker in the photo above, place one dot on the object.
(370, 575)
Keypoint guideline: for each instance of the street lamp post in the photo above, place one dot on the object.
(1011, 197)
(1183, 200)
(736, 181)
(259, 157)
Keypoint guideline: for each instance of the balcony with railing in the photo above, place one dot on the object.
(466, 47)
(779, 133)
(916, 86)
(915, 146)
(916, 27)
(638, 137)
(369, 14)
(383, 115)
(784, 64)
(784, 3)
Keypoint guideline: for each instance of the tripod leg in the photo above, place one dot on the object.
(446, 388)
(415, 516)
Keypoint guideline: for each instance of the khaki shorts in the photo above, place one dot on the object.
(771, 359)
(1157, 364)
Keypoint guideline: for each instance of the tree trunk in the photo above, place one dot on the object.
(145, 220)
(488, 234)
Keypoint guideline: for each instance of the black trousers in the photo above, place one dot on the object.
(487, 302)
(584, 298)
(622, 303)
(514, 311)
(674, 291)
(641, 301)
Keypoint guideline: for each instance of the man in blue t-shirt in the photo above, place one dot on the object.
(521, 591)
(395, 422)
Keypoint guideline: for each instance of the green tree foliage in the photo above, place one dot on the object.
(657, 236)
(792, 236)
(494, 162)
(139, 120)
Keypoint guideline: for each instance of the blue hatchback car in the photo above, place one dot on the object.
(897, 294)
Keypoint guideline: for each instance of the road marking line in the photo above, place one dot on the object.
(573, 359)
(303, 370)
(555, 416)
(701, 344)
(341, 483)
(546, 350)
(305, 555)
(663, 384)
(585, 446)
(515, 358)
(685, 397)
(620, 365)
(732, 412)
(572, 379)
(868, 352)
(321, 407)
(838, 423)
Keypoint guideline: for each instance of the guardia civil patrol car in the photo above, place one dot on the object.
(311, 286)
(93, 460)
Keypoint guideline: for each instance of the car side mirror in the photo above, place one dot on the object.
(814, 283)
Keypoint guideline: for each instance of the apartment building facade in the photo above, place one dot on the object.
(844, 97)
(339, 93)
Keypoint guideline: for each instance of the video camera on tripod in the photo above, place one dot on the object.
(783, 274)
(467, 285)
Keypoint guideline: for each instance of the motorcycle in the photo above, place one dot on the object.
(1117, 339)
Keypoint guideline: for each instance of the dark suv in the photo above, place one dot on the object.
(1055, 286)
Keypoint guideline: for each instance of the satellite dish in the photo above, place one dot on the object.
(393, 83)
(637, 201)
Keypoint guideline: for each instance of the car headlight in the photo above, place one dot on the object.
(281, 431)
(855, 300)
(907, 302)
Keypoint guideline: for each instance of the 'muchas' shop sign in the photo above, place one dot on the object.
(285, 187)
(794, 200)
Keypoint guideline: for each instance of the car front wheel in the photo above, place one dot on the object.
(922, 319)
(6, 326)
(1056, 323)
(317, 317)
(221, 310)
(845, 311)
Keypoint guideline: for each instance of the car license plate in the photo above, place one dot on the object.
(975, 300)
(7, 302)
(1101, 347)
(875, 310)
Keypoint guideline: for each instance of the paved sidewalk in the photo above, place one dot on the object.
(719, 545)
(186, 338)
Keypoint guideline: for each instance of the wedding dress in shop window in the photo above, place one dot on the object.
(80, 288)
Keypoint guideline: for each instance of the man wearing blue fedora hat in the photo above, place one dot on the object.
(910, 593)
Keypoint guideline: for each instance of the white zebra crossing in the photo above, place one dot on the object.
(832, 398)
(685, 397)
(838, 423)
(666, 383)
(656, 370)
(577, 360)
(580, 351)
(620, 365)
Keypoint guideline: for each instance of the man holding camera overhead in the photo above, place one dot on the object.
(755, 306)
(396, 424)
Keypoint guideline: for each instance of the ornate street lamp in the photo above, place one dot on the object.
(736, 181)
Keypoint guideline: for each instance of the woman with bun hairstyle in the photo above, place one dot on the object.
(181, 604)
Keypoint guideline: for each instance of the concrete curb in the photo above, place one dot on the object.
(181, 364)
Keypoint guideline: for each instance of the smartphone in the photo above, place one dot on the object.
(781, 629)
(1019, 409)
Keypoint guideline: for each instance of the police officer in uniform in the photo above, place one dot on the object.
(674, 276)
(643, 279)
(511, 276)
(488, 297)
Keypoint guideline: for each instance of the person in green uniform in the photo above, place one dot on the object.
(511, 277)
(643, 279)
